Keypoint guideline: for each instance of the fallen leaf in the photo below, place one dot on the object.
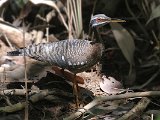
(110, 85)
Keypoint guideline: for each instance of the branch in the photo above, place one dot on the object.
(21, 105)
(13, 92)
(137, 110)
(43, 94)
(99, 100)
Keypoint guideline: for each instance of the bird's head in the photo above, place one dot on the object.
(101, 19)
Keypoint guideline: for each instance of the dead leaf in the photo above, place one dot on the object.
(110, 85)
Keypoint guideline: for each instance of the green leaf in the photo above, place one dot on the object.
(155, 14)
(125, 41)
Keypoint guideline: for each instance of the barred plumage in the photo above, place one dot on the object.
(75, 55)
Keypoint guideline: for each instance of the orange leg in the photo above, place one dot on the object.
(68, 75)
(75, 91)
(74, 79)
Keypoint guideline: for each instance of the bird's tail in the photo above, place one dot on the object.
(18, 52)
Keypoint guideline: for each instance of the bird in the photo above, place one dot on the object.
(75, 55)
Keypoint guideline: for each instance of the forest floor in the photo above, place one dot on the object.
(122, 86)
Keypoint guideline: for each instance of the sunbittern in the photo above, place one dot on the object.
(75, 55)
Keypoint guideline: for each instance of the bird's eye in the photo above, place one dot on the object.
(98, 19)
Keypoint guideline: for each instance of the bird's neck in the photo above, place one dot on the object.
(97, 35)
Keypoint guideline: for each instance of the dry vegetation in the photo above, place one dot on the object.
(129, 69)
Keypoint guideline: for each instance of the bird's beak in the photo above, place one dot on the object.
(116, 20)
(109, 20)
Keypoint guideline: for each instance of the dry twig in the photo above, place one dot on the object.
(99, 100)
(137, 110)
(43, 94)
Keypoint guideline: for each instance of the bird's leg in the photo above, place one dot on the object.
(62, 71)
(75, 88)
(75, 91)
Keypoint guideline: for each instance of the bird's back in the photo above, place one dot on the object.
(75, 55)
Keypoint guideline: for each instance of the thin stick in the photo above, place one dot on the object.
(9, 43)
(137, 21)
(156, 39)
(148, 81)
(25, 78)
(136, 111)
(94, 6)
(47, 33)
